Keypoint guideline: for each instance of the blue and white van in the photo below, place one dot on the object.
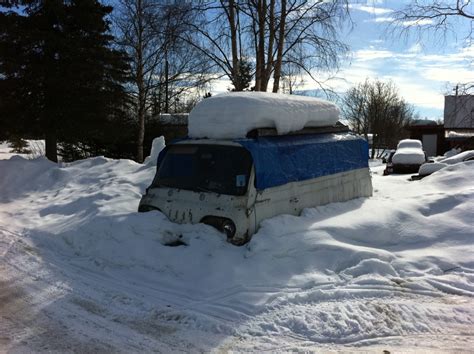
(234, 184)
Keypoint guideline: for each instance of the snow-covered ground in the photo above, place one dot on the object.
(35, 148)
(82, 271)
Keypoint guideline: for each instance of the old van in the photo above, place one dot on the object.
(234, 183)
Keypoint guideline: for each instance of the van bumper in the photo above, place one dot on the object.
(189, 207)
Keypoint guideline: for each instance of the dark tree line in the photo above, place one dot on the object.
(88, 80)
(60, 77)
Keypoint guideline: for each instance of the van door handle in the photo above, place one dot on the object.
(294, 200)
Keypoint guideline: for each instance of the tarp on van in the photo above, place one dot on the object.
(282, 159)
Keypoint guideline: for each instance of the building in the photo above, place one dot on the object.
(170, 125)
(459, 120)
(431, 134)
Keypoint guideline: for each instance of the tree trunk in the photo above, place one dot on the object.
(259, 70)
(141, 128)
(140, 84)
(267, 69)
(235, 56)
(51, 145)
(281, 41)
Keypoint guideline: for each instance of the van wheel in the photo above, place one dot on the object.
(227, 227)
(146, 208)
(239, 241)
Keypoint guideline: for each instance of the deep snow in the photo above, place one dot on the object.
(214, 117)
(80, 270)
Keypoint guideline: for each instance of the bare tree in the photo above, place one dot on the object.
(163, 66)
(376, 108)
(136, 23)
(438, 16)
(268, 33)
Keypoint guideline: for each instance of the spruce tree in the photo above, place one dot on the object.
(60, 75)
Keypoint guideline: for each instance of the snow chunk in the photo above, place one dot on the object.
(156, 147)
(409, 156)
(429, 168)
(463, 156)
(452, 152)
(232, 115)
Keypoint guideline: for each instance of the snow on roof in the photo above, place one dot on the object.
(409, 156)
(232, 115)
(409, 143)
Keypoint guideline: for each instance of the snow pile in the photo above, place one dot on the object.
(429, 168)
(452, 152)
(157, 145)
(463, 156)
(234, 114)
(97, 275)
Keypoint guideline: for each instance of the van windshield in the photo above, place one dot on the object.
(205, 168)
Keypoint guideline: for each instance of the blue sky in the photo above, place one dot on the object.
(423, 70)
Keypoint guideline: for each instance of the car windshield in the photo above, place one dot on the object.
(205, 168)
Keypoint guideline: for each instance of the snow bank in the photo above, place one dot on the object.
(408, 156)
(234, 114)
(452, 152)
(429, 168)
(157, 145)
(463, 156)
(392, 266)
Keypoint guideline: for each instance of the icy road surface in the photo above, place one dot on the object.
(81, 271)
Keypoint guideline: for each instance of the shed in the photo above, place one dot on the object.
(431, 134)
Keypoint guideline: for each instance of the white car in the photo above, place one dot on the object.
(409, 156)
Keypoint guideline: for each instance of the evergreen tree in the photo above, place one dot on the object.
(60, 76)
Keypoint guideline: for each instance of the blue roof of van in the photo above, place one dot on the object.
(279, 160)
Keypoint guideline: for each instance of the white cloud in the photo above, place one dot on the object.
(372, 54)
(422, 22)
(421, 78)
(453, 74)
(418, 92)
(373, 10)
(381, 19)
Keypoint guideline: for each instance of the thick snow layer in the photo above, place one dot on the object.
(429, 168)
(409, 143)
(158, 144)
(82, 271)
(234, 114)
(463, 156)
(452, 152)
(408, 156)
